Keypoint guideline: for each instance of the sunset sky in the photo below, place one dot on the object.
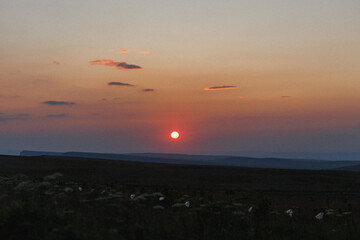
(118, 76)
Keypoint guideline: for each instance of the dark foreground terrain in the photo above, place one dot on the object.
(77, 198)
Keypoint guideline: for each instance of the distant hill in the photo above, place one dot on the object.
(354, 168)
(333, 156)
(279, 163)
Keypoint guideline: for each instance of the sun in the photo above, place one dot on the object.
(174, 135)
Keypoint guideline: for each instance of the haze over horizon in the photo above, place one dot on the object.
(236, 76)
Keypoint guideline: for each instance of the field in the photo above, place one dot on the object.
(74, 198)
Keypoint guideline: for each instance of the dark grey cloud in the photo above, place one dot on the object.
(61, 115)
(54, 103)
(118, 65)
(121, 84)
(220, 87)
(8, 117)
(124, 65)
(148, 90)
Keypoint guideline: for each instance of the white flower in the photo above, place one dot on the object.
(132, 196)
(161, 198)
(319, 216)
(289, 212)
(80, 189)
(250, 209)
(187, 204)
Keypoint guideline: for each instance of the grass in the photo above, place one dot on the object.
(68, 198)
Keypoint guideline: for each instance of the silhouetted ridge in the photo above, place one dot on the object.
(280, 163)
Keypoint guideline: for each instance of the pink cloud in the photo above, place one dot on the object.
(122, 51)
(56, 62)
(144, 52)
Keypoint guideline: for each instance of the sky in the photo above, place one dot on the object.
(118, 76)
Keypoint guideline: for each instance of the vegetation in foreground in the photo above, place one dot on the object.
(55, 207)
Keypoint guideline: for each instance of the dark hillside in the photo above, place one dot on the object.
(140, 173)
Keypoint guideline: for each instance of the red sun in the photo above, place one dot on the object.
(174, 135)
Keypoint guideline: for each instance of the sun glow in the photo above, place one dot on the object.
(174, 135)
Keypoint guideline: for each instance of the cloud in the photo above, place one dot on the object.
(121, 84)
(220, 88)
(54, 103)
(148, 90)
(144, 52)
(56, 62)
(6, 117)
(285, 96)
(62, 115)
(122, 51)
(118, 65)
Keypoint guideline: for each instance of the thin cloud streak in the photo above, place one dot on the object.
(220, 88)
(144, 52)
(62, 115)
(121, 84)
(117, 65)
(6, 117)
(55, 103)
(148, 90)
(122, 51)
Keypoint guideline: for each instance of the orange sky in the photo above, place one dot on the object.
(123, 76)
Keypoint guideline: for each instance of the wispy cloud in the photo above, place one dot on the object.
(121, 84)
(8, 117)
(62, 115)
(148, 90)
(220, 88)
(56, 62)
(55, 103)
(118, 65)
(122, 51)
(144, 52)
